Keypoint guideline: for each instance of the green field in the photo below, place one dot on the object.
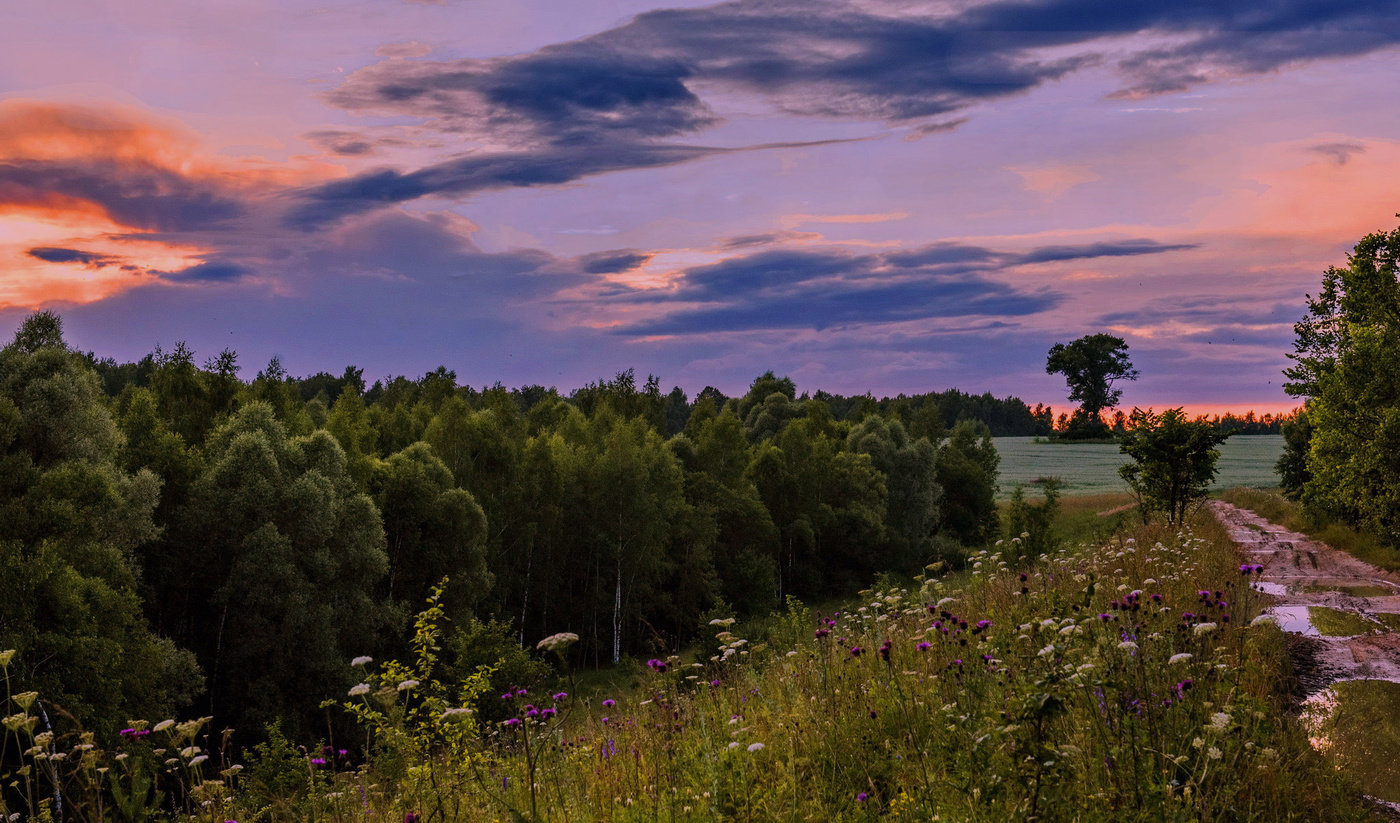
(1092, 468)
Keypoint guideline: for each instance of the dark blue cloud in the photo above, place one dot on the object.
(214, 271)
(1126, 248)
(135, 195)
(849, 59)
(612, 262)
(52, 254)
(819, 288)
(330, 202)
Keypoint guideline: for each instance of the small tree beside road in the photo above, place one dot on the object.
(1173, 461)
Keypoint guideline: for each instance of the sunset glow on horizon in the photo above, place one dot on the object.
(865, 196)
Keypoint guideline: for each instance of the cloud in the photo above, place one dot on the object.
(768, 239)
(830, 287)
(613, 262)
(51, 254)
(1053, 181)
(411, 49)
(1339, 152)
(856, 60)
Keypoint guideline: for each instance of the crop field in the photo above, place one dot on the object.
(1092, 468)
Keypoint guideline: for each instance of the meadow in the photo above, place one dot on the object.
(1122, 680)
(1092, 468)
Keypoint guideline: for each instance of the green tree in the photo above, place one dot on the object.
(71, 520)
(1292, 465)
(1091, 365)
(912, 490)
(967, 471)
(432, 530)
(284, 562)
(1173, 461)
(1347, 364)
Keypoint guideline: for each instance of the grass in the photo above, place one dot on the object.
(1337, 623)
(1107, 681)
(1354, 591)
(1092, 468)
(1274, 507)
(1356, 723)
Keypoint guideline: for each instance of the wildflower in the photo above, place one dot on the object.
(557, 642)
(408, 684)
(362, 660)
(411, 817)
(1262, 619)
(885, 651)
(450, 714)
(359, 689)
(1128, 645)
(163, 725)
(714, 683)
(820, 633)
(1204, 628)
(1213, 753)
(560, 696)
(862, 797)
(857, 651)
(200, 759)
(659, 666)
(753, 747)
(609, 703)
(507, 696)
(1219, 721)
(549, 712)
(923, 647)
(318, 761)
(605, 719)
(521, 692)
(514, 721)
(1179, 658)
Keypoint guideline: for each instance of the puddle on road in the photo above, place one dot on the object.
(1270, 588)
(1355, 722)
(1294, 619)
(1337, 623)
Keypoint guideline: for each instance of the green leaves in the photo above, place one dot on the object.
(1174, 461)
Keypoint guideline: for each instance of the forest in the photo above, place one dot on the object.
(179, 537)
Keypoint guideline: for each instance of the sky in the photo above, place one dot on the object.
(864, 195)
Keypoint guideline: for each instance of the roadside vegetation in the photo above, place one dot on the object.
(1123, 680)
(1273, 506)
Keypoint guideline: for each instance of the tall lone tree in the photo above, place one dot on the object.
(1091, 365)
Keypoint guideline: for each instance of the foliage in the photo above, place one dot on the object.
(1091, 365)
(1030, 527)
(70, 521)
(1345, 363)
(967, 471)
(1173, 461)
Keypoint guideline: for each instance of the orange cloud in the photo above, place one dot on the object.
(87, 182)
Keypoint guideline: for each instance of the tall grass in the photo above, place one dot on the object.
(1118, 681)
(1274, 507)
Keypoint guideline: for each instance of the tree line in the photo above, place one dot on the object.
(174, 535)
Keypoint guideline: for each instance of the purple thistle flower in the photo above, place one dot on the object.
(549, 712)
(857, 651)
(561, 696)
(609, 703)
(411, 817)
(714, 683)
(820, 633)
(923, 647)
(514, 721)
(507, 696)
(521, 692)
(862, 797)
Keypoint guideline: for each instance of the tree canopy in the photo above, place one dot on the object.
(1091, 365)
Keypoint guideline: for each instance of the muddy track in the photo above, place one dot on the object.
(1301, 574)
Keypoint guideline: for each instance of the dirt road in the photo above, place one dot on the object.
(1349, 610)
